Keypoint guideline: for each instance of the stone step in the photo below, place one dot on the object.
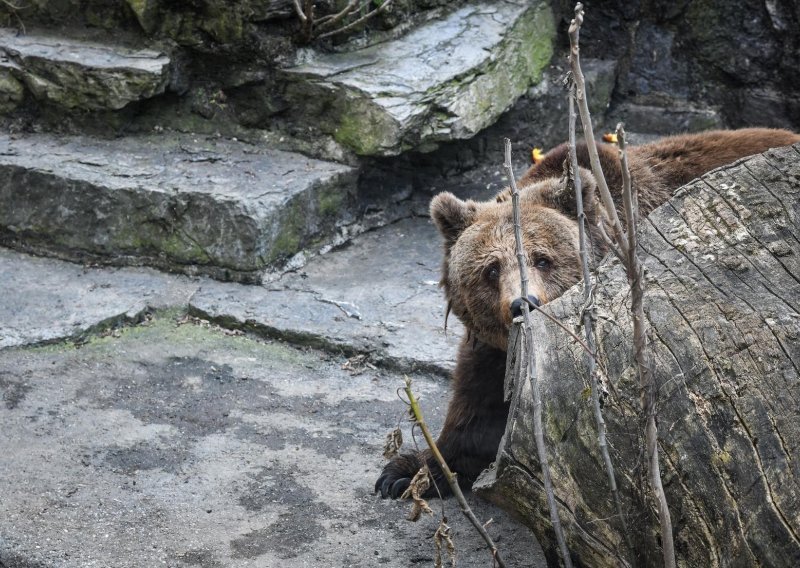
(49, 300)
(77, 74)
(446, 80)
(180, 446)
(177, 202)
(379, 296)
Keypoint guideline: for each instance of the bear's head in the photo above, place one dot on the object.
(480, 272)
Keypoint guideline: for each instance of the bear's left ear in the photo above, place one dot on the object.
(452, 215)
(561, 196)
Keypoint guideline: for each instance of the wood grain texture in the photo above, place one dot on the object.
(722, 266)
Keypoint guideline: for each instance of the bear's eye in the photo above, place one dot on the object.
(542, 263)
(492, 273)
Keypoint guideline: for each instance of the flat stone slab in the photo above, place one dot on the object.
(83, 75)
(178, 445)
(47, 300)
(377, 297)
(177, 202)
(446, 80)
(380, 296)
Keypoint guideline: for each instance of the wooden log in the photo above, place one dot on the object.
(722, 264)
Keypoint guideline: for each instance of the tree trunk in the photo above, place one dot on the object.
(722, 301)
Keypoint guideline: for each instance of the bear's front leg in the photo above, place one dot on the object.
(475, 422)
(397, 474)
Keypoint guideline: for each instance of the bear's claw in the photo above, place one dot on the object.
(390, 486)
(397, 474)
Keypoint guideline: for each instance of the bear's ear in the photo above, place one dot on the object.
(561, 196)
(590, 197)
(452, 215)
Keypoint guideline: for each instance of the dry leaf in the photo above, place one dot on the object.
(394, 441)
(538, 155)
(610, 137)
(419, 485)
(357, 364)
(440, 537)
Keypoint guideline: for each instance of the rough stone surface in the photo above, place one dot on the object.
(49, 300)
(227, 21)
(177, 202)
(731, 58)
(175, 444)
(722, 304)
(379, 296)
(677, 117)
(445, 80)
(81, 75)
(11, 91)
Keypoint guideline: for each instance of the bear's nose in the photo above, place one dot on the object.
(516, 305)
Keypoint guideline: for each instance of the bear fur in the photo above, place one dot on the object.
(480, 274)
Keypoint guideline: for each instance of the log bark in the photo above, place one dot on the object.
(722, 262)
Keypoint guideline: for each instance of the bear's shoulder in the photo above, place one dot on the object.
(552, 167)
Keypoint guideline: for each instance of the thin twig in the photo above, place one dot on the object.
(624, 246)
(299, 10)
(530, 368)
(588, 131)
(361, 20)
(588, 316)
(641, 355)
(567, 330)
(333, 19)
(450, 476)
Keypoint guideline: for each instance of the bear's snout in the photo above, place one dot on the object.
(516, 305)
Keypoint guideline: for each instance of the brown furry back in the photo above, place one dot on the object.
(661, 167)
(679, 159)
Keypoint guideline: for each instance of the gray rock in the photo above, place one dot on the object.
(446, 80)
(671, 117)
(82, 75)
(11, 91)
(174, 201)
(48, 300)
(179, 445)
(379, 296)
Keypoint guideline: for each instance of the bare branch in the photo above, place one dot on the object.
(333, 19)
(588, 316)
(450, 476)
(624, 246)
(635, 273)
(359, 21)
(530, 368)
(299, 10)
(628, 200)
(588, 131)
(567, 330)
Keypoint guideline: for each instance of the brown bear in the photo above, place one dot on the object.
(480, 275)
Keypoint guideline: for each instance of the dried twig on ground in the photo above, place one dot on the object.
(393, 443)
(418, 486)
(450, 476)
(530, 364)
